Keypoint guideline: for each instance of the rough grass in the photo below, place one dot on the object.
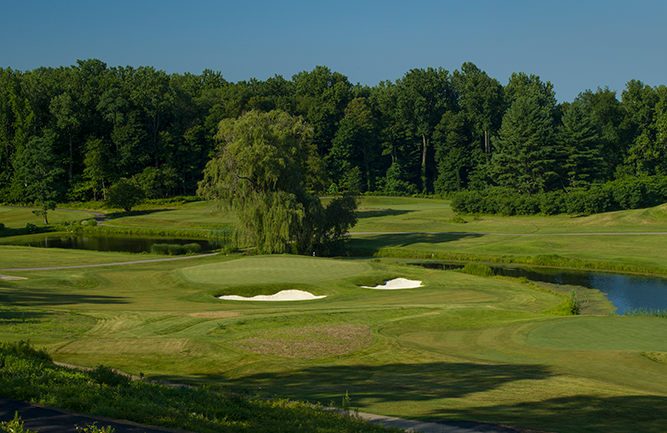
(309, 342)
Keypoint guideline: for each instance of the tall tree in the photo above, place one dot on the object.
(525, 156)
(580, 144)
(261, 168)
(481, 99)
(39, 168)
(423, 96)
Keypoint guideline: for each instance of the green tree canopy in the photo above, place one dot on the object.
(525, 156)
(263, 165)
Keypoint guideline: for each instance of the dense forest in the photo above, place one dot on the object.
(69, 133)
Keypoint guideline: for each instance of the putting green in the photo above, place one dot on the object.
(273, 270)
(602, 333)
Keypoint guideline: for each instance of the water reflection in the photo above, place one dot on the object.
(626, 292)
(128, 244)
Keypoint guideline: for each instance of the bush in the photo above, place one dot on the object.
(477, 269)
(161, 249)
(14, 426)
(175, 250)
(31, 228)
(107, 376)
(25, 348)
(192, 248)
(89, 223)
(2, 226)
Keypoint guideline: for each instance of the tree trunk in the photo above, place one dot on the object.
(424, 164)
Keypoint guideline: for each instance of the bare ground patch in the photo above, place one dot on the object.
(215, 314)
(309, 342)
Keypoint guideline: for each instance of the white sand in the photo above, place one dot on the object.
(397, 284)
(11, 277)
(283, 295)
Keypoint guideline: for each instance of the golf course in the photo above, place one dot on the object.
(460, 346)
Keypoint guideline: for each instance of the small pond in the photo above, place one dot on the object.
(127, 244)
(626, 292)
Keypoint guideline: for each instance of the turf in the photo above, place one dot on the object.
(16, 217)
(461, 347)
(608, 333)
(273, 269)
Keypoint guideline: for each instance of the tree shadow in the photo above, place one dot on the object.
(123, 214)
(590, 413)
(373, 243)
(29, 297)
(386, 383)
(20, 316)
(375, 213)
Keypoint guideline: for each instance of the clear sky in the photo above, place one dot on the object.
(575, 44)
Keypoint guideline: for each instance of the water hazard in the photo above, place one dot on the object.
(127, 244)
(626, 292)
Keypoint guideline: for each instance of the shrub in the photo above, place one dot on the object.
(161, 249)
(573, 303)
(457, 220)
(107, 376)
(2, 226)
(31, 228)
(477, 269)
(14, 426)
(89, 223)
(25, 348)
(192, 248)
(175, 250)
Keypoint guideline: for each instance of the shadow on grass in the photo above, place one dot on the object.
(580, 413)
(29, 297)
(388, 383)
(372, 243)
(16, 316)
(375, 213)
(123, 214)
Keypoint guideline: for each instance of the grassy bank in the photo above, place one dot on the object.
(27, 375)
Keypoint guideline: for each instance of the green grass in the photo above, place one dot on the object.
(17, 217)
(461, 347)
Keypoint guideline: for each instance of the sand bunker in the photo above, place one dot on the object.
(11, 277)
(397, 284)
(283, 295)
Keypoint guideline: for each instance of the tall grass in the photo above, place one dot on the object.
(103, 392)
(646, 312)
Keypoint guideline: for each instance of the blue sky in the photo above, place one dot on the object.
(577, 45)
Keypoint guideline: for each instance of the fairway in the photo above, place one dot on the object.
(273, 270)
(602, 333)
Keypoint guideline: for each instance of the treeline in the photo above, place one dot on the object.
(69, 133)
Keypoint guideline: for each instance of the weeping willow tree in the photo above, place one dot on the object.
(264, 164)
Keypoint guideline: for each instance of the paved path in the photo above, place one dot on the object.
(44, 419)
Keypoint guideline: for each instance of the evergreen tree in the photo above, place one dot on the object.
(525, 156)
(580, 145)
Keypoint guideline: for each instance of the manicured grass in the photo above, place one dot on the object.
(399, 214)
(197, 215)
(461, 347)
(274, 269)
(15, 217)
(608, 333)
(12, 257)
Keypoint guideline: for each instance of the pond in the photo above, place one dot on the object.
(128, 244)
(626, 292)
